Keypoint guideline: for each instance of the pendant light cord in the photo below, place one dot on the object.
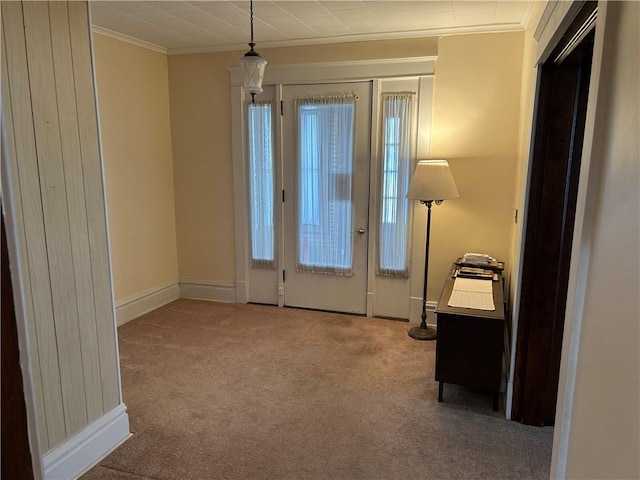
(251, 18)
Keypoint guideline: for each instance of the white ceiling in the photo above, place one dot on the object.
(197, 26)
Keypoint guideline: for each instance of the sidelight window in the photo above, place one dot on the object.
(397, 113)
(261, 184)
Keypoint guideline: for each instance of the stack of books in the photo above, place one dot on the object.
(474, 272)
(479, 259)
(478, 265)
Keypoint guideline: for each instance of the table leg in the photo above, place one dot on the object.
(440, 388)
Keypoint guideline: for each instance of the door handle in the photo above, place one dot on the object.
(361, 231)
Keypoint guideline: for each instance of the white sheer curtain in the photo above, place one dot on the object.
(261, 183)
(325, 145)
(397, 109)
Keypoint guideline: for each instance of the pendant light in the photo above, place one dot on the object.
(252, 65)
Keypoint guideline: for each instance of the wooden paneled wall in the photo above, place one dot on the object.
(49, 123)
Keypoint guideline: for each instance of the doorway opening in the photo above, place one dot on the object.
(553, 187)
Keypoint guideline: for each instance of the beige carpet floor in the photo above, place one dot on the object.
(223, 391)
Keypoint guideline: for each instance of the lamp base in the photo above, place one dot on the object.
(419, 333)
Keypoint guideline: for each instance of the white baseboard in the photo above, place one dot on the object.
(217, 292)
(139, 304)
(86, 448)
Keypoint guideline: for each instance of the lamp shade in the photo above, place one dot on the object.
(253, 72)
(432, 180)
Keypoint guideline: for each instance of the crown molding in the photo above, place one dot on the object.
(527, 15)
(105, 32)
(506, 27)
(434, 32)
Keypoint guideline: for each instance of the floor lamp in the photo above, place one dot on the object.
(431, 182)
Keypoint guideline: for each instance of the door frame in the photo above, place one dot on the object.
(553, 185)
(422, 68)
(553, 23)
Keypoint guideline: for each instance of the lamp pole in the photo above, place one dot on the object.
(424, 332)
(431, 182)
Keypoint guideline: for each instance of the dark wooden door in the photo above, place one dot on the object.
(553, 187)
(16, 455)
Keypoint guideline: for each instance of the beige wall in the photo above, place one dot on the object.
(475, 127)
(475, 123)
(203, 183)
(344, 52)
(527, 100)
(603, 431)
(201, 133)
(133, 96)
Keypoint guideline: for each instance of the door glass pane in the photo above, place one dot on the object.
(396, 161)
(324, 181)
(261, 184)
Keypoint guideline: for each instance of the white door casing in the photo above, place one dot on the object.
(385, 296)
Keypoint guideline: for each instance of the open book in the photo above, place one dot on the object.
(468, 293)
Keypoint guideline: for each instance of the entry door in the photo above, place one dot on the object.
(326, 131)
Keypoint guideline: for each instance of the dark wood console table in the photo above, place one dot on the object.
(470, 342)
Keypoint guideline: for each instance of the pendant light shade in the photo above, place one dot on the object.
(252, 71)
(252, 65)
